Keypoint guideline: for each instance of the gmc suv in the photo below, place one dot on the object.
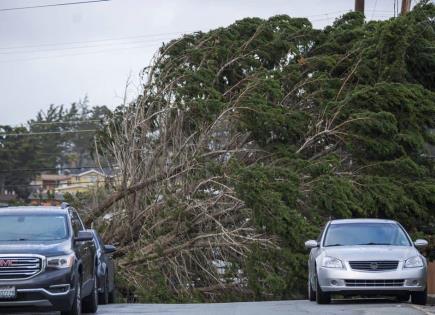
(47, 261)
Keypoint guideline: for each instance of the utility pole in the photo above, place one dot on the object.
(359, 6)
(406, 6)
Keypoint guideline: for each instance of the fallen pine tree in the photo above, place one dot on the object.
(248, 138)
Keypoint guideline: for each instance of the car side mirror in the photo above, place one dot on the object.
(84, 236)
(311, 244)
(421, 243)
(109, 249)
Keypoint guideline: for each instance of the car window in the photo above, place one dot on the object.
(23, 227)
(365, 234)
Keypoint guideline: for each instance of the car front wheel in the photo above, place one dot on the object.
(322, 297)
(90, 303)
(419, 298)
(76, 308)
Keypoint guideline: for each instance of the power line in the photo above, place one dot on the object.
(52, 5)
(78, 54)
(45, 133)
(70, 186)
(96, 40)
(374, 8)
(65, 122)
(103, 45)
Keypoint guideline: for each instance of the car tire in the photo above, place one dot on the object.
(419, 297)
(90, 303)
(322, 297)
(311, 292)
(76, 307)
(103, 297)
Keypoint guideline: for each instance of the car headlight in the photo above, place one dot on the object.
(60, 262)
(413, 262)
(332, 262)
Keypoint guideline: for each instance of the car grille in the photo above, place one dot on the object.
(374, 283)
(374, 265)
(19, 267)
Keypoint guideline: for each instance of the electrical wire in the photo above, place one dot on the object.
(52, 5)
(97, 40)
(374, 8)
(103, 45)
(70, 186)
(64, 122)
(78, 54)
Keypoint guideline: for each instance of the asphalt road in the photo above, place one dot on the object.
(268, 308)
(340, 307)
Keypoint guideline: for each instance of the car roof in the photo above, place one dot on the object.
(33, 210)
(348, 221)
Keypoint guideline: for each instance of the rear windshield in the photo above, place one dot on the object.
(365, 234)
(25, 227)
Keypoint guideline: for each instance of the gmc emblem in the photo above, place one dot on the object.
(6, 262)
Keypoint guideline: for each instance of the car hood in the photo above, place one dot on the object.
(40, 248)
(371, 252)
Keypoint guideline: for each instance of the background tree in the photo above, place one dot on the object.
(56, 139)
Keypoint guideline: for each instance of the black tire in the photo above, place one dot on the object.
(322, 297)
(76, 308)
(90, 303)
(311, 292)
(112, 296)
(403, 297)
(419, 298)
(103, 297)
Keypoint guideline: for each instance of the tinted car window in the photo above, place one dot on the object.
(23, 227)
(365, 234)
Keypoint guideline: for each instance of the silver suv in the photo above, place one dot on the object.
(366, 257)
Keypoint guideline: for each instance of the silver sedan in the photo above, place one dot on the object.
(366, 257)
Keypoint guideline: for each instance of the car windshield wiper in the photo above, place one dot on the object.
(334, 245)
(372, 243)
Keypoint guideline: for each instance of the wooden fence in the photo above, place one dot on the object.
(431, 278)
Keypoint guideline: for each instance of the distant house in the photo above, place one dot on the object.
(49, 181)
(82, 182)
(71, 183)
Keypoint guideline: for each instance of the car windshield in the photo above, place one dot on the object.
(348, 234)
(25, 227)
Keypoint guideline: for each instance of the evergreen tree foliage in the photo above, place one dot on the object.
(345, 115)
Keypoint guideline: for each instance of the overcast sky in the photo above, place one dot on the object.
(58, 55)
